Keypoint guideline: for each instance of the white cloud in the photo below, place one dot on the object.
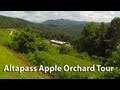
(39, 16)
(98, 16)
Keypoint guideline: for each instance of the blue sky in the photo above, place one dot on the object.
(40, 16)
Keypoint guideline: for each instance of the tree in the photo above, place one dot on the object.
(102, 40)
(24, 41)
(88, 41)
(115, 26)
(114, 31)
(28, 41)
(103, 29)
(90, 35)
(78, 44)
(113, 36)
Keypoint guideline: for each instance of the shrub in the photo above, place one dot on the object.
(41, 45)
(65, 50)
(115, 74)
(115, 58)
(101, 59)
(83, 55)
(39, 57)
(27, 41)
(24, 42)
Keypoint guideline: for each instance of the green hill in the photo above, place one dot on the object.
(9, 57)
(51, 57)
(10, 22)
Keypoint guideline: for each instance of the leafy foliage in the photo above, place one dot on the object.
(56, 35)
(88, 41)
(9, 22)
(115, 74)
(115, 58)
(65, 49)
(27, 41)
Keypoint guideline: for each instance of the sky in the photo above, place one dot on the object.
(41, 16)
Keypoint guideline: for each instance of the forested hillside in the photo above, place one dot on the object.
(9, 22)
(64, 26)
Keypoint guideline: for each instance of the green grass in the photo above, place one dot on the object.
(51, 59)
(9, 57)
(61, 60)
(4, 36)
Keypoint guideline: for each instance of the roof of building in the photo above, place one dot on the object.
(57, 42)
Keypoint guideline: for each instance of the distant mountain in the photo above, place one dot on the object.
(67, 26)
(10, 22)
(63, 22)
(60, 25)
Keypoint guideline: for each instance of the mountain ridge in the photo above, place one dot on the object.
(60, 25)
(63, 22)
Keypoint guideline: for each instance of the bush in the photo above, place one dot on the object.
(40, 58)
(24, 42)
(115, 58)
(115, 74)
(65, 50)
(27, 41)
(83, 55)
(41, 45)
(101, 59)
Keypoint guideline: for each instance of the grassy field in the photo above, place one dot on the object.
(8, 57)
(4, 36)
